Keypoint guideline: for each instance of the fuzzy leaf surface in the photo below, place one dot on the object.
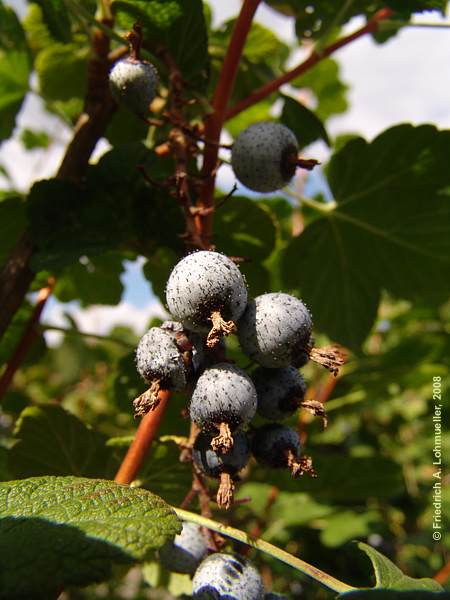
(383, 594)
(177, 25)
(51, 441)
(61, 531)
(389, 576)
(390, 230)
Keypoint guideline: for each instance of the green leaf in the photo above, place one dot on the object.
(389, 576)
(164, 474)
(174, 583)
(392, 595)
(115, 208)
(329, 91)
(14, 73)
(253, 114)
(12, 224)
(314, 21)
(92, 280)
(34, 139)
(390, 230)
(125, 128)
(263, 59)
(61, 71)
(12, 36)
(63, 531)
(177, 25)
(157, 270)
(303, 122)
(4, 471)
(38, 34)
(346, 525)
(337, 482)
(51, 441)
(127, 383)
(14, 333)
(56, 18)
(246, 228)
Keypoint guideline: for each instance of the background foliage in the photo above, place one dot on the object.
(372, 261)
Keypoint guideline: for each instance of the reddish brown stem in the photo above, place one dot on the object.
(27, 339)
(315, 57)
(214, 123)
(143, 440)
(444, 574)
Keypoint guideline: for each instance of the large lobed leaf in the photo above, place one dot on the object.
(321, 17)
(389, 576)
(390, 230)
(394, 595)
(60, 531)
(175, 25)
(115, 208)
(51, 441)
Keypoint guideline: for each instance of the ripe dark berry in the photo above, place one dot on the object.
(203, 356)
(224, 399)
(207, 293)
(264, 156)
(280, 392)
(278, 446)
(161, 364)
(186, 551)
(133, 84)
(275, 329)
(227, 577)
(221, 466)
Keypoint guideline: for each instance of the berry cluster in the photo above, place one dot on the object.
(207, 295)
(216, 576)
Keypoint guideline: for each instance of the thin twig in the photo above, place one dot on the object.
(27, 339)
(315, 57)
(95, 336)
(443, 574)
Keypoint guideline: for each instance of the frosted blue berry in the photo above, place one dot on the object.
(280, 392)
(278, 446)
(264, 156)
(207, 293)
(222, 466)
(186, 551)
(223, 400)
(158, 357)
(227, 577)
(161, 364)
(212, 463)
(133, 84)
(275, 330)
